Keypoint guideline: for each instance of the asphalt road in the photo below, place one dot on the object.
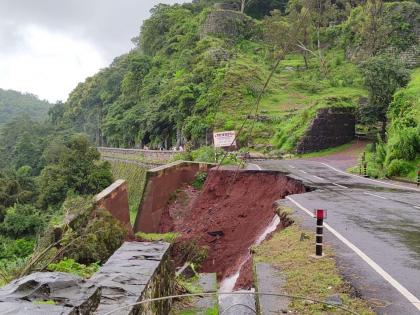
(373, 226)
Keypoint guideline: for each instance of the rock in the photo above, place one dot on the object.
(186, 271)
(304, 236)
(228, 23)
(334, 300)
(67, 294)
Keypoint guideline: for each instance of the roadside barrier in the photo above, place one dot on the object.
(320, 215)
(418, 177)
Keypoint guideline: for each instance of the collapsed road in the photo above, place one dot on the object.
(373, 225)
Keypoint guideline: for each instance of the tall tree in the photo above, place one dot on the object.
(383, 76)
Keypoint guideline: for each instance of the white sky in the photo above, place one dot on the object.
(48, 46)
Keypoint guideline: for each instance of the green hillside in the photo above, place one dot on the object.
(197, 68)
(15, 104)
(400, 155)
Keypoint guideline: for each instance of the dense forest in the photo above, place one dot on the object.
(196, 68)
(15, 104)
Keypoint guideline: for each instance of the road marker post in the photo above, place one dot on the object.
(418, 177)
(320, 215)
(362, 162)
(365, 174)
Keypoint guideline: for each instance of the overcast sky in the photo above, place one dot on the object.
(48, 46)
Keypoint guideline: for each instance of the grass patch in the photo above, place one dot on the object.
(71, 266)
(135, 176)
(312, 278)
(153, 237)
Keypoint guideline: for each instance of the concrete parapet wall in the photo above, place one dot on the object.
(330, 128)
(137, 271)
(153, 155)
(161, 182)
(115, 200)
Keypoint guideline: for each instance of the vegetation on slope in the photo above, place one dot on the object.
(14, 104)
(135, 176)
(40, 170)
(400, 155)
(179, 84)
(182, 82)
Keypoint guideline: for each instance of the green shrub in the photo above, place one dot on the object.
(13, 249)
(71, 266)
(152, 237)
(399, 168)
(93, 234)
(21, 221)
(404, 145)
(200, 179)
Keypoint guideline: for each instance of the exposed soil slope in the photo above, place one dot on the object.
(229, 215)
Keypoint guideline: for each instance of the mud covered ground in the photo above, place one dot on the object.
(228, 216)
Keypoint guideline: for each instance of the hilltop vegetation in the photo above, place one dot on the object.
(186, 77)
(14, 104)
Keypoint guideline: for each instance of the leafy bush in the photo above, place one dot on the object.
(71, 266)
(200, 179)
(404, 145)
(21, 221)
(13, 249)
(94, 234)
(399, 168)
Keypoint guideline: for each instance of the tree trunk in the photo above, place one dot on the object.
(305, 58)
(243, 2)
(383, 130)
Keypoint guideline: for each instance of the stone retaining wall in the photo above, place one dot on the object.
(161, 182)
(330, 128)
(152, 155)
(115, 200)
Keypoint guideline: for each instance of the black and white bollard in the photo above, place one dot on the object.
(320, 215)
(365, 169)
(418, 178)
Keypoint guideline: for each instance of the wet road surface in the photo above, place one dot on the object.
(373, 226)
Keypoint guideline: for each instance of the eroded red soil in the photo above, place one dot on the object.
(228, 216)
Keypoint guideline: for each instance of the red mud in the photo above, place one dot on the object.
(229, 215)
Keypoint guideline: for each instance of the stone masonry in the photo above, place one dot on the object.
(330, 128)
(137, 271)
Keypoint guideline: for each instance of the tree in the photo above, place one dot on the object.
(374, 27)
(78, 169)
(383, 75)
